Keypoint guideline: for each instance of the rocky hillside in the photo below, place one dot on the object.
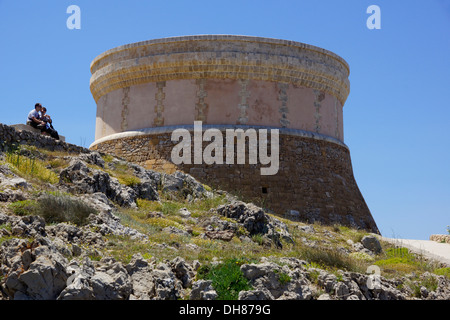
(90, 226)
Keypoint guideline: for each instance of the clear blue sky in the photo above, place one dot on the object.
(396, 119)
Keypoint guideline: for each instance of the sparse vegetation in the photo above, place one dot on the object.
(258, 238)
(331, 259)
(123, 248)
(227, 278)
(313, 274)
(393, 261)
(283, 278)
(59, 207)
(349, 233)
(30, 167)
(5, 226)
(398, 260)
(429, 282)
(122, 172)
(442, 272)
(23, 208)
(54, 207)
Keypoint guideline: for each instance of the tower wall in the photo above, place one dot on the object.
(146, 90)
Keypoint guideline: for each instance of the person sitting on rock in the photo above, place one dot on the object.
(34, 118)
(48, 124)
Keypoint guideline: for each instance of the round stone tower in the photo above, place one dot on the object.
(146, 90)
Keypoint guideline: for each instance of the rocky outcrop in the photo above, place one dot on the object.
(55, 264)
(40, 269)
(65, 261)
(273, 282)
(290, 279)
(79, 178)
(255, 221)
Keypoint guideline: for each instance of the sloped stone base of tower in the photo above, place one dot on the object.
(314, 183)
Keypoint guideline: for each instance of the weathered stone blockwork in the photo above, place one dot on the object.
(315, 176)
(10, 136)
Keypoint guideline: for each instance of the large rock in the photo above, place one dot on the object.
(257, 294)
(12, 195)
(255, 221)
(372, 243)
(14, 182)
(167, 286)
(225, 235)
(271, 280)
(250, 216)
(78, 283)
(146, 190)
(183, 184)
(37, 273)
(141, 278)
(111, 284)
(203, 290)
(93, 158)
(80, 178)
(183, 271)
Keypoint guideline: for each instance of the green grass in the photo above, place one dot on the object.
(227, 278)
(123, 248)
(3, 238)
(258, 238)
(400, 261)
(168, 206)
(443, 272)
(142, 220)
(429, 282)
(331, 259)
(31, 167)
(164, 207)
(23, 208)
(397, 256)
(207, 188)
(5, 226)
(122, 172)
(283, 278)
(349, 233)
(313, 275)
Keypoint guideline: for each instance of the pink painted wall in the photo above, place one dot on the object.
(179, 102)
(306, 108)
(221, 95)
(141, 110)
